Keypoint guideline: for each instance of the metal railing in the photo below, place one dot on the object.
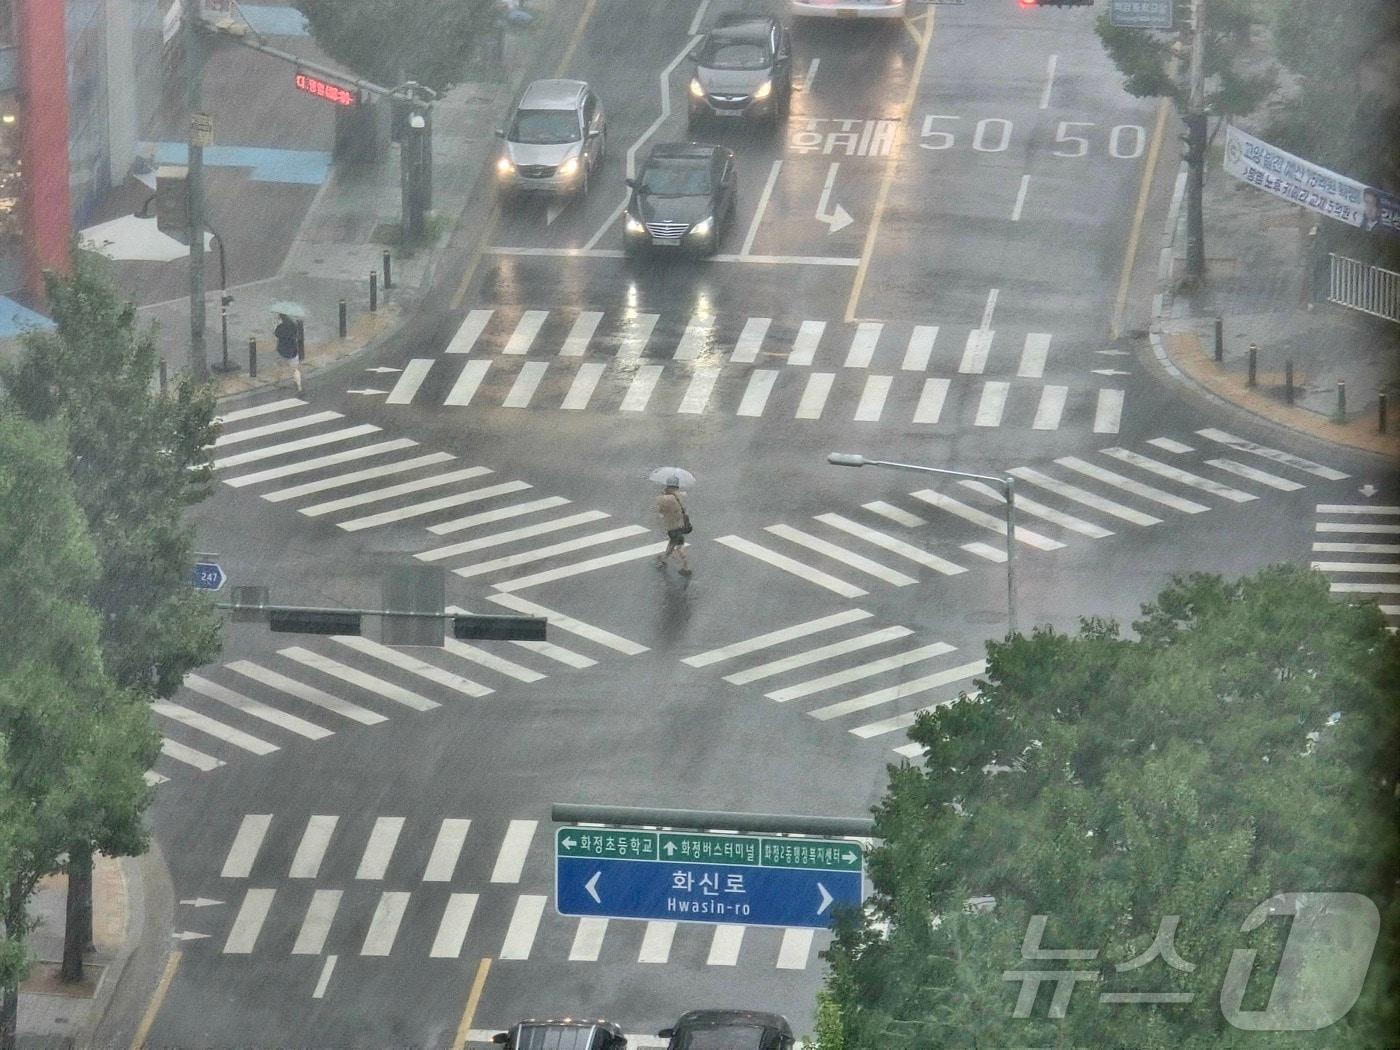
(1369, 289)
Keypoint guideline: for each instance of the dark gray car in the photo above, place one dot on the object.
(743, 71)
(729, 1030)
(683, 198)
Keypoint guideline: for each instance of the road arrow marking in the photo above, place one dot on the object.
(201, 902)
(1368, 490)
(189, 935)
(838, 218)
(553, 212)
(592, 887)
(827, 898)
(1112, 353)
(367, 390)
(383, 368)
(1103, 372)
(570, 842)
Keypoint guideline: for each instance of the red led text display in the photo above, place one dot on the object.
(331, 92)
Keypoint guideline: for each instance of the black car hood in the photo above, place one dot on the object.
(689, 210)
(731, 81)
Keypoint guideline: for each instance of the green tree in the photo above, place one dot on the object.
(73, 746)
(138, 459)
(1243, 745)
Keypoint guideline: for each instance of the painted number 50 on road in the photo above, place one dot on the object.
(993, 135)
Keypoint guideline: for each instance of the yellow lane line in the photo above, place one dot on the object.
(909, 26)
(1144, 189)
(473, 998)
(574, 40)
(171, 965)
(868, 249)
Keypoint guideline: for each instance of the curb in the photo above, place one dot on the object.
(134, 889)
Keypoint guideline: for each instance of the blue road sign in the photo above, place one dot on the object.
(691, 891)
(208, 576)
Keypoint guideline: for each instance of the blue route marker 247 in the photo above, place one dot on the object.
(744, 880)
(208, 576)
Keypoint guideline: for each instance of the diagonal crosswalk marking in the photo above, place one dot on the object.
(404, 488)
(242, 854)
(384, 925)
(1183, 477)
(311, 849)
(316, 924)
(584, 384)
(804, 344)
(497, 539)
(367, 682)
(379, 850)
(417, 510)
(202, 722)
(1356, 566)
(931, 401)
(696, 339)
(588, 939)
(792, 565)
(280, 427)
(992, 404)
(656, 942)
(469, 332)
(863, 343)
(265, 409)
(452, 929)
(895, 514)
(697, 394)
(872, 398)
(355, 476)
(987, 521)
(778, 637)
(1170, 445)
(512, 561)
(510, 861)
(491, 661)
(1249, 473)
(1026, 505)
(1050, 408)
(635, 336)
(756, 394)
(823, 652)
(1033, 355)
(410, 380)
(725, 943)
(795, 949)
(578, 568)
(750, 340)
(1356, 548)
(567, 623)
(179, 752)
(1357, 508)
(1137, 488)
(413, 665)
(841, 554)
(920, 349)
(447, 849)
(1108, 411)
(1220, 437)
(467, 383)
(300, 445)
(252, 913)
(1083, 496)
(529, 325)
(254, 708)
(865, 670)
(527, 381)
(307, 465)
(900, 691)
(903, 721)
(985, 550)
(814, 395)
(976, 352)
(581, 334)
(486, 517)
(891, 544)
(524, 923)
(639, 391)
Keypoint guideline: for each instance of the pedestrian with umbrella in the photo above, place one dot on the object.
(288, 336)
(675, 522)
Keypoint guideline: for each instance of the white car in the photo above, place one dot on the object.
(847, 8)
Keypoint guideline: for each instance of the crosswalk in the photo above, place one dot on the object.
(391, 885)
(632, 362)
(1357, 545)
(1075, 500)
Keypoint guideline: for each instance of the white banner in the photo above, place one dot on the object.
(1292, 178)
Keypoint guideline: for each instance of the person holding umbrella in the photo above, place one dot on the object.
(288, 336)
(674, 519)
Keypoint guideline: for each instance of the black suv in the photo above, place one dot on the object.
(683, 198)
(743, 70)
(729, 1030)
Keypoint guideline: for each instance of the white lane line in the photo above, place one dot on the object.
(987, 521)
(1137, 488)
(588, 939)
(1356, 548)
(581, 389)
(311, 850)
(863, 344)
(452, 929)
(526, 382)
(379, 850)
(581, 334)
(403, 488)
(795, 949)
(567, 623)
(1356, 508)
(755, 397)
(1366, 529)
(639, 391)
(316, 924)
(750, 340)
(179, 752)
(822, 652)
(804, 344)
(814, 395)
(1183, 477)
(1108, 411)
(497, 539)
(996, 555)
(526, 329)
(992, 404)
(697, 394)
(763, 199)
(697, 336)
(447, 848)
(1033, 356)
(974, 358)
(280, 427)
(285, 448)
(367, 682)
(872, 399)
(699, 17)
(1242, 470)
(307, 465)
(792, 565)
(244, 851)
(491, 661)
(778, 637)
(252, 913)
(656, 942)
(724, 946)
(921, 340)
(512, 561)
(890, 543)
(1084, 496)
(1040, 510)
(410, 379)
(323, 982)
(1170, 445)
(900, 691)
(254, 708)
(524, 924)
(260, 410)
(1384, 568)
(810, 75)
(1051, 408)
(205, 724)
(989, 309)
(417, 510)
(486, 517)
(467, 384)
(354, 476)
(1020, 198)
(866, 670)
(384, 925)
(931, 401)
(468, 332)
(904, 721)
(895, 514)
(1049, 81)
(1277, 456)
(1364, 588)
(635, 337)
(413, 665)
(578, 568)
(837, 553)
(589, 246)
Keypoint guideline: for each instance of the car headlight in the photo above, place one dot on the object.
(569, 167)
(703, 227)
(764, 90)
(634, 225)
(697, 89)
(504, 166)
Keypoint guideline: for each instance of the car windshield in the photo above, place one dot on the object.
(735, 54)
(554, 1037)
(676, 178)
(542, 127)
(722, 1037)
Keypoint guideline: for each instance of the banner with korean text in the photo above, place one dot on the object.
(1271, 169)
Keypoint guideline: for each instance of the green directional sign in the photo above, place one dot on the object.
(711, 849)
(824, 854)
(609, 842)
(753, 851)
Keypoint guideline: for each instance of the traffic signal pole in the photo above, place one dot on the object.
(1196, 146)
(194, 185)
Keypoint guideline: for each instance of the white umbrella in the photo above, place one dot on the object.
(134, 239)
(295, 311)
(672, 476)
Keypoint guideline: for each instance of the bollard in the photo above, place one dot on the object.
(1253, 363)
(1380, 411)
(1341, 401)
(163, 382)
(343, 319)
(1219, 339)
(301, 341)
(388, 273)
(253, 358)
(1288, 382)
(373, 291)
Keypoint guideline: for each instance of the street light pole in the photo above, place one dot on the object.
(194, 74)
(1196, 145)
(1005, 482)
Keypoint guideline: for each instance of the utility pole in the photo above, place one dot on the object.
(1196, 146)
(194, 184)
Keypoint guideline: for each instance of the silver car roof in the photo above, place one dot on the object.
(553, 94)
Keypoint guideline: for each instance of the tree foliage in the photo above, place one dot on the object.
(1243, 745)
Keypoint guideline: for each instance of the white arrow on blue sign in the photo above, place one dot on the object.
(208, 576)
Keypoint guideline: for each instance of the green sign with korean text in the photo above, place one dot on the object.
(695, 847)
(610, 842)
